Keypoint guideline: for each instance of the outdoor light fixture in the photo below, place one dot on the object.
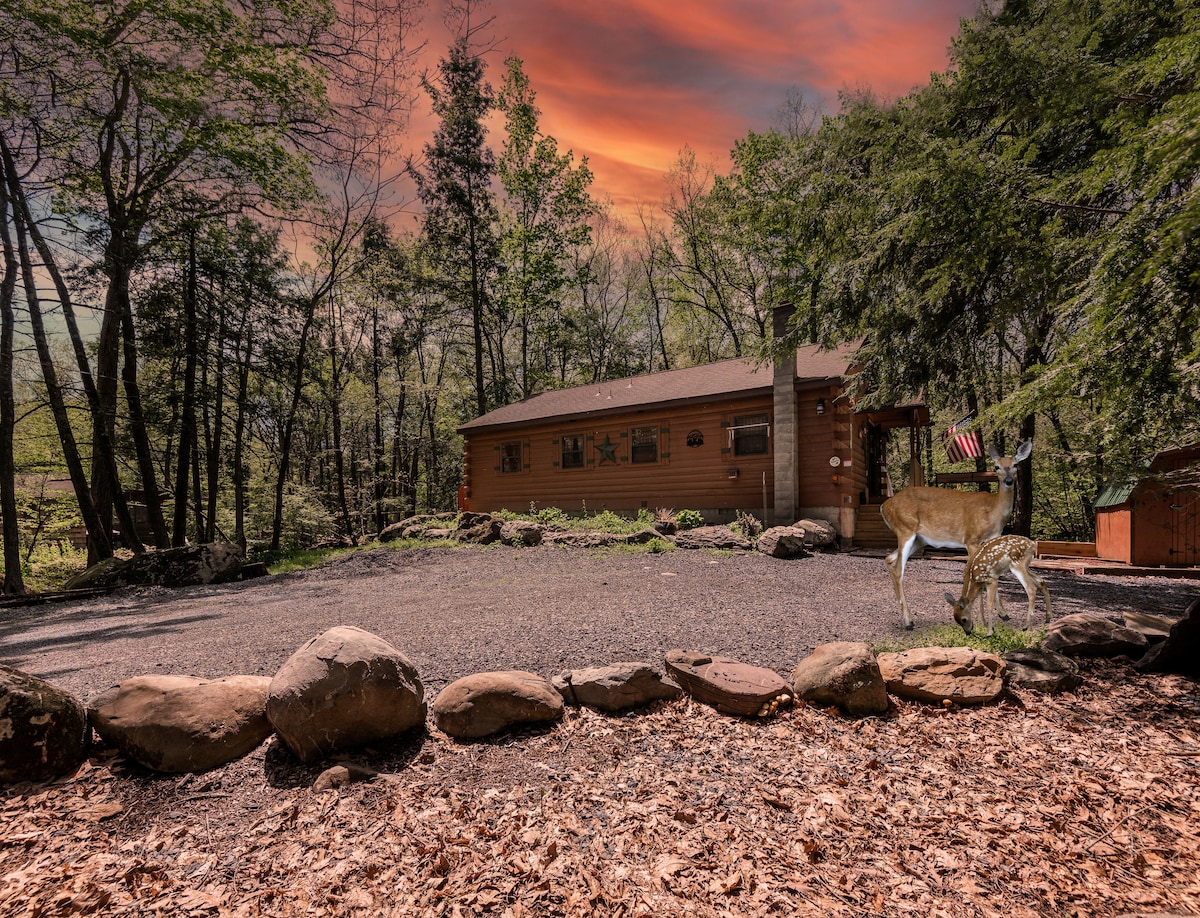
(820, 406)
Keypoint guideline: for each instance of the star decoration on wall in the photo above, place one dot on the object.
(608, 450)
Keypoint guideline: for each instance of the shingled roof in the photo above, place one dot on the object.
(738, 376)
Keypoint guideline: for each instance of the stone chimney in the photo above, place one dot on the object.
(785, 431)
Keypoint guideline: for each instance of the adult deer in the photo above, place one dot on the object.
(941, 518)
(995, 556)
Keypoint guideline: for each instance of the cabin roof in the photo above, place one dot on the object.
(737, 376)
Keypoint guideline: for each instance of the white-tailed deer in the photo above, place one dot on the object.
(942, 518)
(1006, 553)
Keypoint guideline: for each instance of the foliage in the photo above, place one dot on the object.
(1016, 238)
(689, 519)
(50, 564)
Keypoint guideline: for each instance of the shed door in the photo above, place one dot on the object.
(1184, 506)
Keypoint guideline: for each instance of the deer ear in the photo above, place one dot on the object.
(1023, 451)
(994, 453)
(950, 599)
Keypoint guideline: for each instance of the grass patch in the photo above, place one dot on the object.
(950, 635)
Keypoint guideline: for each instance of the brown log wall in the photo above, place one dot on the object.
(706, 477)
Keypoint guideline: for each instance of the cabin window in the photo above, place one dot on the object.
(510, 456)
(643, 444)
(750, 434)
(572, 451)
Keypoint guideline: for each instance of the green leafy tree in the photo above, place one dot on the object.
(454, 184)
(546, 220)
(139, 106)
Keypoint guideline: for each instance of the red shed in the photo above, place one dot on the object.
(1153, 521)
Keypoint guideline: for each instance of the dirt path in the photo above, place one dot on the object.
(453, 612)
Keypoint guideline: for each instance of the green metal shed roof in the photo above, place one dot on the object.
(1114, 495)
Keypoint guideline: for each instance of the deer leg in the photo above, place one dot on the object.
(1000, 607)
(1032, 583)
(990, 606)
(896, 562)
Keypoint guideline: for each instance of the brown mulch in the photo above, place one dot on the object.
(1085, 804)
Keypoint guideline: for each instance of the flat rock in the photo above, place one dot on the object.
(845, 674)
(191, 565)
(1153, 627)
(44, 729)
(1180, 650)
(1042, 671)
(730, 686)
(482, 704)
(180, 724)
(615, 687)
(713, 537)
(344, 688)
(783, 542)
(1090, 634)
(962, 675)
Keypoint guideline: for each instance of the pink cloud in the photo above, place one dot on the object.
(630, 82)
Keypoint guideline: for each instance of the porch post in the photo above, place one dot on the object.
(785, 431)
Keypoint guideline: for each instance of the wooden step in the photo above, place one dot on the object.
(871, 531)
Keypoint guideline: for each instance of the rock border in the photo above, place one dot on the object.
(837, 677)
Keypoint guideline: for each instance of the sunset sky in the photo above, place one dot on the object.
(628, 83)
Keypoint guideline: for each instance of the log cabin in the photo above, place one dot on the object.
(782, 443)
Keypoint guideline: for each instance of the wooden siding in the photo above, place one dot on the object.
(821, 437)
(706, 477)
(1114, 533)
(1156, 526)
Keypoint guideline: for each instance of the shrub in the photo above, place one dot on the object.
(689, 519)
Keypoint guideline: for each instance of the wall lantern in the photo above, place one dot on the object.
(820, 406)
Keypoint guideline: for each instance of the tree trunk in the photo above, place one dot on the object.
(217, 428)
(14, 581)
(378, 485)
(239, 437)
(99, 541)
(187, 420)
(102, 449)
(285, 446)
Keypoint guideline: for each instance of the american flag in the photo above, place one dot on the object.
(960, 446)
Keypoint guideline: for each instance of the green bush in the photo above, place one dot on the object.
(689, 519)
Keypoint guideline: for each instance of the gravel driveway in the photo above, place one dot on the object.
(543, 609)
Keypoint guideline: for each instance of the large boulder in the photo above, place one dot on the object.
(1042, 671)
(44, 730)
(191, 565)
(521, 532)
(962, 675)
(342, 689)
(730, 686)
(478, 528)
(717, 537)
(615, 687)
(782, 542)
(1090, 634)
(845, 674)
(1180, 650)
(179, 724)
(485, 703)
(817, 533)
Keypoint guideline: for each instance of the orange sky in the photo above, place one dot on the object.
(629, 83)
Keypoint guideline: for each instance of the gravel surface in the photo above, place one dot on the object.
(543, 609)
(1079, 804)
